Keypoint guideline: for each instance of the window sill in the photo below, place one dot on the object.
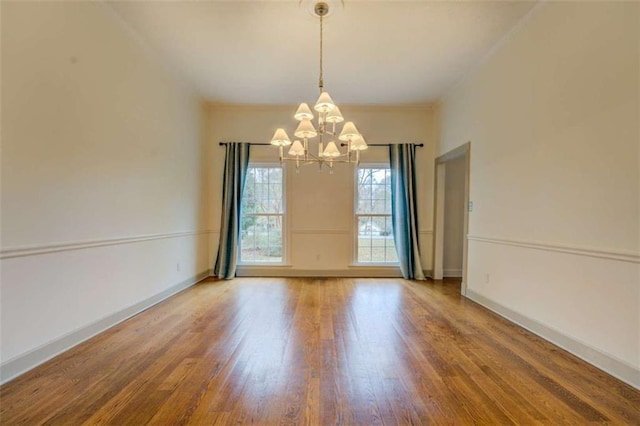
(263, 265)
(374, 265)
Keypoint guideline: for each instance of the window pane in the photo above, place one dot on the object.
(261, 238)
(364, 253)
(374, 191)
(275, 175)
(377, 254)
(247, 238)
(274, 250)
(263, 191)
(275, 198)
(375, 239)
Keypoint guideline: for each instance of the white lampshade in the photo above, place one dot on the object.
(324, 103)
(334, 116)
(296, 148)
(305, 129)
(303, 112)
(280, 138)
(331, 150)
(359, 144)
(349, 131)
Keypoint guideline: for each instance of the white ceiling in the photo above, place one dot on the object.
(375, 52)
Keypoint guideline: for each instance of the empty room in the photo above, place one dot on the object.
(319, 212)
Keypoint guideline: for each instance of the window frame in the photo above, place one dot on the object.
(285, 224)
(356, 215)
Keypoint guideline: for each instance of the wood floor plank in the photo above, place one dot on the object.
(317, 351)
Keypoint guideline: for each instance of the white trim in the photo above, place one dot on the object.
(463, 151)
(263, 264)
(375, 265)
(452, 273)
(31, 359)
(352, 272)
(287, 108)
(320, 232)
(438, 220)
(623, 256)
(606, 362)
(36, 250)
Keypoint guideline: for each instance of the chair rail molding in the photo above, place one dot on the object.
(619, 255)
(35, 250)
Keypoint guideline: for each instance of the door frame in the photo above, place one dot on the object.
(439, 213)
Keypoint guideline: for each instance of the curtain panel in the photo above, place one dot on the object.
(404, 210)
(236, 164)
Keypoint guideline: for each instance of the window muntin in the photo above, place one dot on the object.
(374, 242)
(261, 224)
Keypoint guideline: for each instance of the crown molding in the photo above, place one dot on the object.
(213, 106)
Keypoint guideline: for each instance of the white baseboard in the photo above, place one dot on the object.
(25, 362)
(608, 363)
(358, 272)
(452, 273)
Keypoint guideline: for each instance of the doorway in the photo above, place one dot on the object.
(451, 219)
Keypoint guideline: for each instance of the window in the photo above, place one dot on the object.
(262, 216)
(373, 216)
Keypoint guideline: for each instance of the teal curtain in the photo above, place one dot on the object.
(404, 211)
(236, 163)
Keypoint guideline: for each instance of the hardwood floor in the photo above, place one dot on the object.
(317, 351)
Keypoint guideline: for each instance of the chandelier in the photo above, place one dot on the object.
(327, 150)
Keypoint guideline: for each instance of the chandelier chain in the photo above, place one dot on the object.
(321, 82)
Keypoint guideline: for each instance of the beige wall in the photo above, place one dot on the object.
(454, 217)
(321, 227)
(102, 176)
(552, 117)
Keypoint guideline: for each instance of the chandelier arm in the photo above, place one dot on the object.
(302, 161)
(316, 160)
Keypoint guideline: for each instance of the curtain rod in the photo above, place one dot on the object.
(387, 144)
(250, 143)
(342, 144)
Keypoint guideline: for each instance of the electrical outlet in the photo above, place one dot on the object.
(470, 206)
(487, 278)
(178, 266)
